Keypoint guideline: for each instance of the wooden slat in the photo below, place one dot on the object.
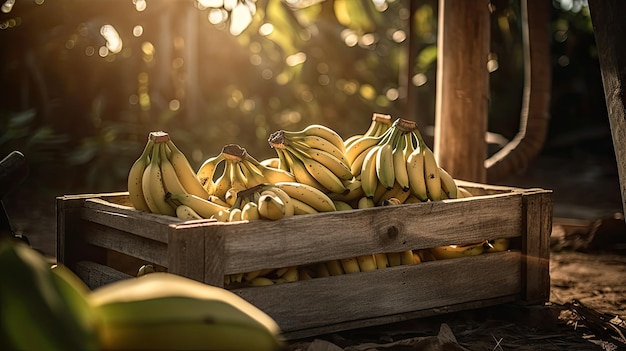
(96, 275)
(307, 239)
(126, 243)
(149, 225)
(393, 318)
(330, 300)
(536, 247)
(186, 254)
(70, 245)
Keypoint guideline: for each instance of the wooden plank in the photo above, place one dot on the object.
(462, 88)
(126, 243)
(96, 275)
(186, 253)
(330, 300)
(149, 225)
(367, 231)
(609, 27)
(370, 322)
(536, 247)
(70, 246)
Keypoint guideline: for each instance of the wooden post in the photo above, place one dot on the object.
(609, 27)
(462, 88)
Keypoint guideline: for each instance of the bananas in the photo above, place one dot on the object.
(162, 311)
(315, 156)
(42, 308)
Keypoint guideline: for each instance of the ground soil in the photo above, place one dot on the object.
(587, 305)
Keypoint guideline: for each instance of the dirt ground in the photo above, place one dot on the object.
(587, 307)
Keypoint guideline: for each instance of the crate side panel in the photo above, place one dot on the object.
(321, 237)
(536, 246)
(144, 224)
(324, 301)
(126, 243)
(71, 247)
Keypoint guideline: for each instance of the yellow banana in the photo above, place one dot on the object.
(135, 175)
(381, 260)
(317, 143)
(163, 311)
(292, 274)
(455, 251)
(204, 208)
(271, 207)
(321, 131)
(447, 184)
(186, 213)
(206, 172)
(252, 174)
(360, 146)
(170, 178)
(235, 215)
(222, 215)
(302, 208)
(301, 174)
(394, 259)
(218, 201)
(353, 191)
(319, 172)
(342, 205)
(400, 154)
(497, 245)
(304, 273)
(365, 202)
(334, 267)
(407, 257)
(223, 182)
(261, 281)
(152, 185)
(396, 192)
(250, 211)
(462, 192)
(272, 174)
(270, 162)
(384, 166)
(309, 195)
(284, 197)
(350, 140)
(357, 165)
(185, 172)
(350, 265)
(415, 169)
(367, 263)
(339, 167)
(431, 173)
(369, 180)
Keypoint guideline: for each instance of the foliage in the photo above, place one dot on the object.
(95, 77)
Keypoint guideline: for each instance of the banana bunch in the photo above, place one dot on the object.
(161, 168)
(162, 311)
(42, 307)
(315, 156)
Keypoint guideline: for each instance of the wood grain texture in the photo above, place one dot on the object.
(609, 27)
(332, 300)
(536, 247)
(96, 275)
(462, 88)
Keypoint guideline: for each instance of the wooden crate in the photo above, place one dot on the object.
(103, 239)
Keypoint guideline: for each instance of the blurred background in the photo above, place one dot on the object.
(84, 82)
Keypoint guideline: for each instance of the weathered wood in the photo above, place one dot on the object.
(327, 301)
(536, 247)
(609, 27)
(208, 250)
(462, 88)
(96, 275)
